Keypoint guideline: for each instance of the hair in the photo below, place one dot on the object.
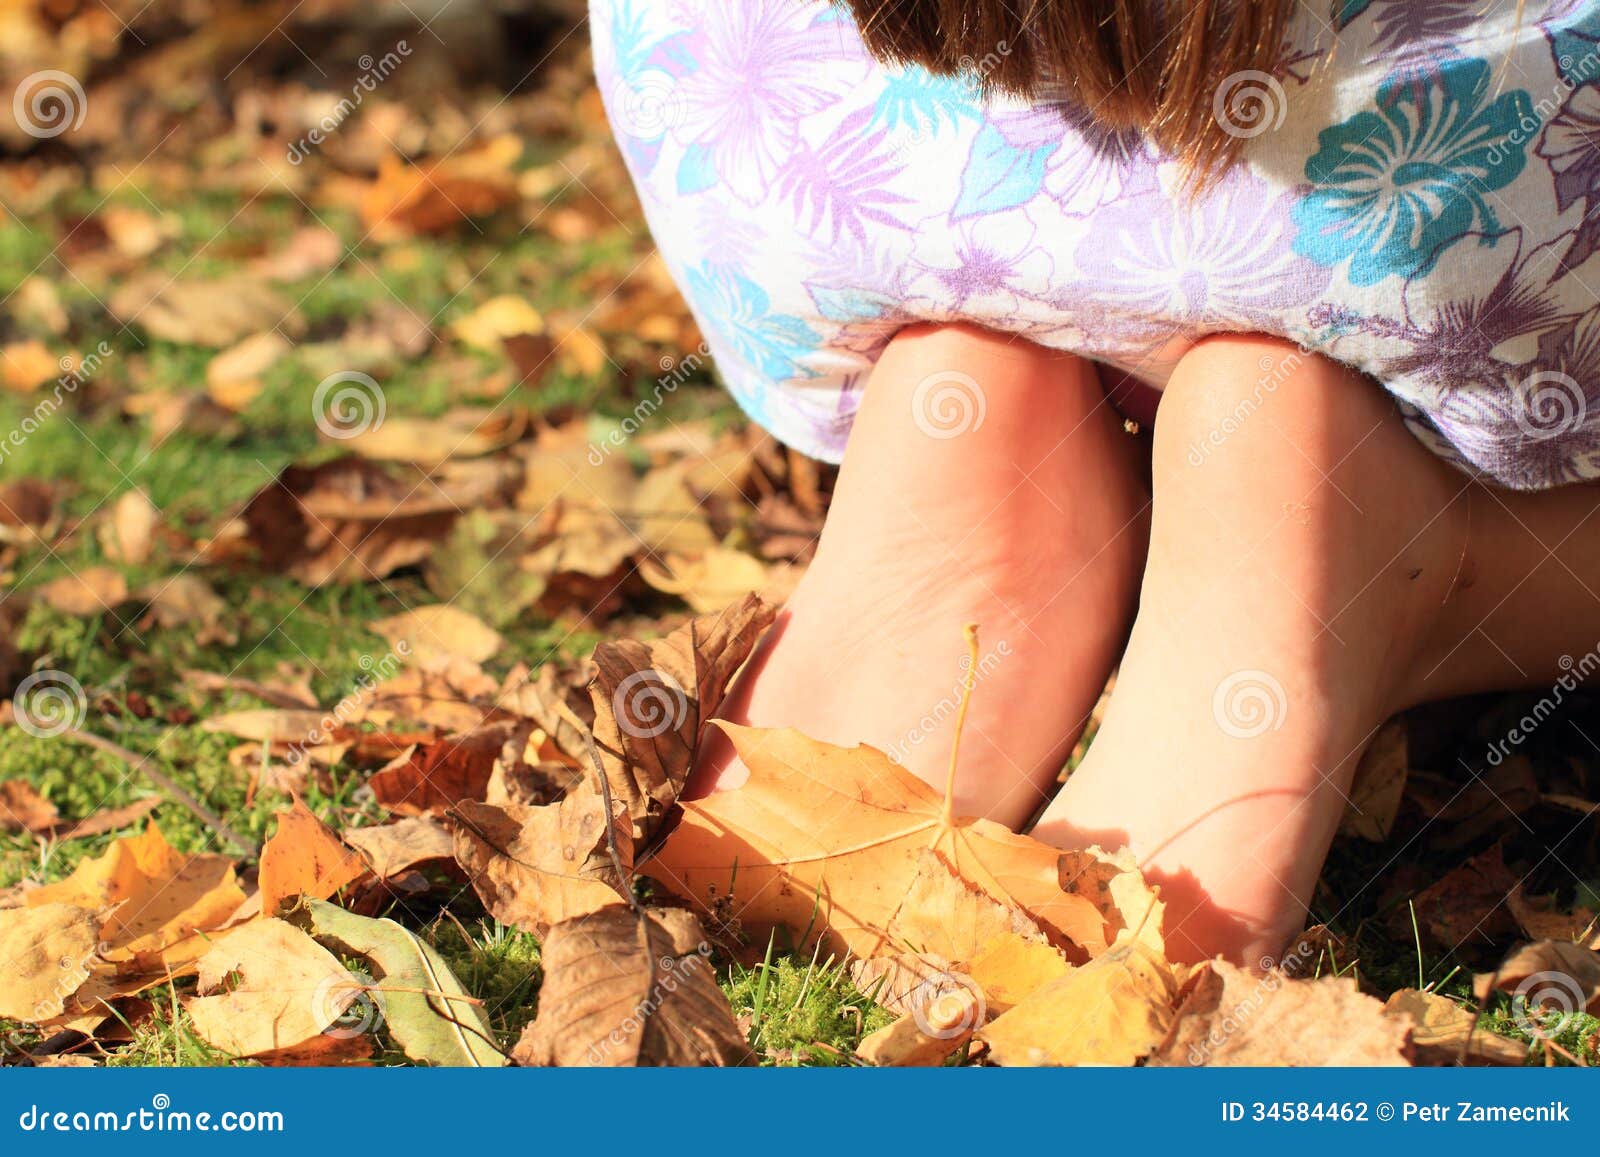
(1154, 66)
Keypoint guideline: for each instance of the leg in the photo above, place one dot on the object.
(1303, 548)
(1029, 522)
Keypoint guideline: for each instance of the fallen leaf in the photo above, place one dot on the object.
(1379, 785)
(534, 867)
(709, 581)
(304, 858)
(1540, 920)
(1114, 889)
(1552, 975)
(27, 365)
(198, 312)
(109, 820)
(1233, 1017)
(127, 535)
(233, 377)
(497, 319)
(441, 630)
(1012, 968)
(627, 988)
(47, 949)
(829, 838)
(159, 899)
(93, 590)
(267, 724)
(651, 699)
(430, 777)
(944, 915)
(429, 442)
(274, 988)
(438, 196)
(392, 848)
(1113, 1010)
(1444, 1033)
(421, 1002)
(23, 809)
(1468, 903)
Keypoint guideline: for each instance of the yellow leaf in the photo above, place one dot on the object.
(47, 949)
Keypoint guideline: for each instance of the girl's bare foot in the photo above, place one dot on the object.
(986, 480)
(1312, 570)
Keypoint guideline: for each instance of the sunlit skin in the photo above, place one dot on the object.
(1279, 569)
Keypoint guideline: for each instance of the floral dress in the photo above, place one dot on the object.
(1419, 199)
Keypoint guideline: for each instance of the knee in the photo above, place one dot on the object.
(1236, 402)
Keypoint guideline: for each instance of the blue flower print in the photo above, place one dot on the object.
(741, 313)
(1391, 188)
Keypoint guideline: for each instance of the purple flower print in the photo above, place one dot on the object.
(996, 263)
(764, 65)
(1571, 145)
(845, 181)
(1225, 261)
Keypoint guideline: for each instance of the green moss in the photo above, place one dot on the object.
(801, 1012)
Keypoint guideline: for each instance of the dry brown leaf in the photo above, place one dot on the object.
(900, 982)
(428, 442)
(430, 777)
(233, 377)
(350, 520)
(829, 838)
(1444, 1033)
(392, 848)
(1233, 1017)
(267, 724)
(158, 899)
(276, 988)
(94, 590)
(109, 820)
(944, 915)
(1112, 1011)
(1466, 904)
(23, 809)
(28, 511)
(709, 581)
(1380, 782)
(922, 1041)
(497, 319)
(187, 600)
(627, 988)
(1012, 968)
(1116, 891)
(651, 699)
(1542, 921)
(213, 314)
(1552, 975)
(304, 858)
(128, 533)
(47, 949)
(449, 693)
(27, 365)
(441, 630)
(438, 196)
(534, 867)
